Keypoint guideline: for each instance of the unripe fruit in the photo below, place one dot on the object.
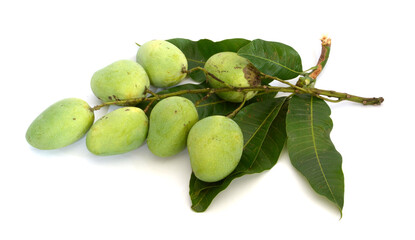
(235, 71)
(215, 146)
(170, 122)
(121, 80)
(119, 131)
(61, 124)
(165, 64)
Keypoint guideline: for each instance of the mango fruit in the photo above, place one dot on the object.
(61, 124)
(215, 146)
(119, 131)
(165, 64)
(121, 80)
(170, 122)
(233, 70)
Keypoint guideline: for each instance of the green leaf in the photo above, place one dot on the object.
(310, 148)
(273, 58)
(263, 128)
(260, 97)
(198, 52)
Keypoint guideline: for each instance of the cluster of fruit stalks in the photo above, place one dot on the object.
(174, 122)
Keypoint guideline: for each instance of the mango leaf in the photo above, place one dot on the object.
(260, 97)
(263, 128)
(310, 149)
(198, 52)
(273, 58)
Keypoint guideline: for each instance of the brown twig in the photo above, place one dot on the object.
(324, 56)
(205, 97)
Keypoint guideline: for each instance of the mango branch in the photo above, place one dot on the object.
(282, 81)
(320, 93)
(345, 97)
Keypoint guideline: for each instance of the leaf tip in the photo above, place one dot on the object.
(197, 208)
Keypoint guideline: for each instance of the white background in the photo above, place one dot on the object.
(50, 49)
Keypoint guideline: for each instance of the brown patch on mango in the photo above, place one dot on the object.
(252, 75)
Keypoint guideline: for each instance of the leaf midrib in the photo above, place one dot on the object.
(316, 152)
(260, 126)
(269, 60)
(211, 103)
(196, 61)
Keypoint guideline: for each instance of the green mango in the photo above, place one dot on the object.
(170, 122)
(61, 124)
(233, 70)
(215, 146)
(165, 64)
(119, 131)
(121, 80)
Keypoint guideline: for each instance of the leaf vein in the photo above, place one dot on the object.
(259, 127)
(316, 152)
(269, 60)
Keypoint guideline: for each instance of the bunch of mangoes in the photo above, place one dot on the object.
(215, 143)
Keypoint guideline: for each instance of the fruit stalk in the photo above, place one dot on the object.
(231, 115)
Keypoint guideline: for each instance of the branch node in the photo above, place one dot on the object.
(148, 105)
(152, 93)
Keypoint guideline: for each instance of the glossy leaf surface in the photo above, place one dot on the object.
(310, 148)
(273, 58)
